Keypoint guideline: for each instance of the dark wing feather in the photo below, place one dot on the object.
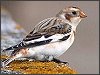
(48, 28)
(45, 28)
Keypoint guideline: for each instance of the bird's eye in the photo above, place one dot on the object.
(74, 12)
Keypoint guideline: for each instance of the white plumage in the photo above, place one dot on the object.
(50, 38)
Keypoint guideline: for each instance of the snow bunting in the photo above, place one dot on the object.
(50, 38)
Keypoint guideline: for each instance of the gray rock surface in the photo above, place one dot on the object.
(11, 34)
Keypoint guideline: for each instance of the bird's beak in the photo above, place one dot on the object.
(82, 15)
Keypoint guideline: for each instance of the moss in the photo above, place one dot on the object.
(37, 67)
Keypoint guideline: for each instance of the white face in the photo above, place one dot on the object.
(75, 20)
(72, 15)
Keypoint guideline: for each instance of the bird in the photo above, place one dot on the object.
(50, 38)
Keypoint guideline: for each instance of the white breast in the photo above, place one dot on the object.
(56, 49)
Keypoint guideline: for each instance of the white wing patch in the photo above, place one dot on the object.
(36, 40)
(54, 38)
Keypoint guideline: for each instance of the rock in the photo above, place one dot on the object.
(9, 72)
(37, 67)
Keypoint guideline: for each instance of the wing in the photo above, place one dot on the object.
(47, 31)
(48, 27)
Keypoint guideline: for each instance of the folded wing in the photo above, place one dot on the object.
(47, 31)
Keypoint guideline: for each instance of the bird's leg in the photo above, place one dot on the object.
(59, 61)
(47, 58)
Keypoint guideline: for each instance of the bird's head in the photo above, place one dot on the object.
(71, 14)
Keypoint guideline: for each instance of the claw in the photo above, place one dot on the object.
(59, 61)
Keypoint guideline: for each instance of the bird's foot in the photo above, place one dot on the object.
(60, 62)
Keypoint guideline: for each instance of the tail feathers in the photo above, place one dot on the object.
(10, 48)
(15, 47)
(10, 59)
(6, 62)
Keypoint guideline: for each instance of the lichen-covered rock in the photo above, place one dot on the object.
(37, 67)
